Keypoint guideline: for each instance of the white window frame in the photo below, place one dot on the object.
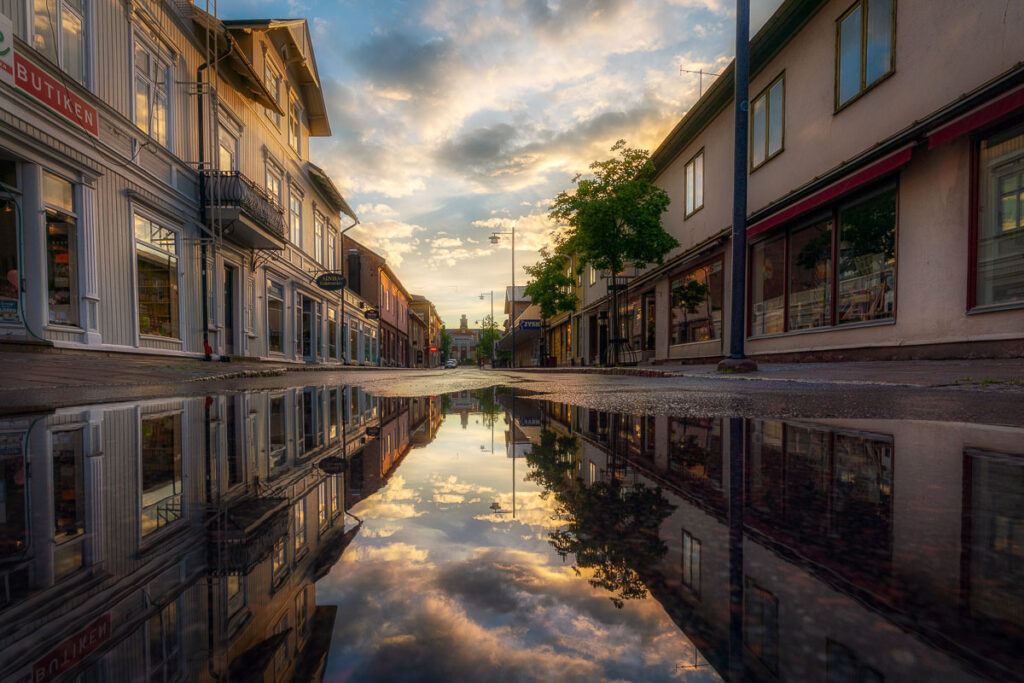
(694, 199)
(56, 21)
(319, 225)
(273, 80)
(295, 119)
(295, 217)
(180, 271)
(273, 171)
(167, 63)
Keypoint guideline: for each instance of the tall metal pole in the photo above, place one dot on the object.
(493, 341)
(513, 306)
(737, 326)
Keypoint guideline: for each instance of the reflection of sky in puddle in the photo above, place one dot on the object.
(438, 585)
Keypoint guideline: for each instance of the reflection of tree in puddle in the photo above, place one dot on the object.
(611, 528)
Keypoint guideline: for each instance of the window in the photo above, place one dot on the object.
(691, 562)
(318, 238)
(279, 561)
(330, 260)
(61, 251)
(57, 32)
(278, 446)
(322, 503)
(151, 93)
(164, 640)
(275, 317)
(766, 123)
(301, 613)
(694, 171)
(792, 277)
(294, 129)
(332, 332)
(161, 472)
(864, 54)
(227, 148)
(592, 277)
(334, 495)
(299, 521)
(283, 654)
(1000, 221)
(274, 177)
(156, 257)
(10, 280)
(272, 79)
(295, 218)
(68, 501)
(761, 625)
(697, 304)
(236, 594)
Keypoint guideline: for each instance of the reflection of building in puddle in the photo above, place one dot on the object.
(881, 549)
(135, 536)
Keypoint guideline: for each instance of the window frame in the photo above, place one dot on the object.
(56, 21)
(295, 118)
(295, 197)
(269, 67)
(864, 86)
(179, 429)
(178, 272)
(686, 182)
(765, 93)
(687, 581)
(70, 215)
(162, 59)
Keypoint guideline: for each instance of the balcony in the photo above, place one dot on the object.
(247, 537)
(242, 211)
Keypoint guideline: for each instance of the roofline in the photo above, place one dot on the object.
(776, 33)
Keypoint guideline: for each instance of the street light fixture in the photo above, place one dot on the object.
(495, 238)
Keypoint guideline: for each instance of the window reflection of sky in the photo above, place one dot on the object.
(438, 585)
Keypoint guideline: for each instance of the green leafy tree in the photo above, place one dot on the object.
(446, 344)
(614, 216)
(489, 336)
(550, 286)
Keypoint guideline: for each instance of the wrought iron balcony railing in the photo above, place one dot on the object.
(233, 190)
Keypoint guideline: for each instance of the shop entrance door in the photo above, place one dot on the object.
(306, 340)
(229, 309)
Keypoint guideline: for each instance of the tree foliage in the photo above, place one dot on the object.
(446, 344)
(614, 216)
(489, 336)
(550, 285)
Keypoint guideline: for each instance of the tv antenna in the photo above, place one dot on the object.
(701, 73)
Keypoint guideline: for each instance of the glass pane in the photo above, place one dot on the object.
(71, 27)
(758, 125)
(44, 36)
(1000, 277)
(849, 55)
(867, 259)
(768, 287)
(161, 472)
(142, 104)
(879, 45)
(9, 273)
(810, 277)
(698, 181)
(68, 487)
(160, 118)
(697, 305)
(58, 192)
(158, 293)
(689, 189)
(141, 60)
(62, 272)
(775, 112)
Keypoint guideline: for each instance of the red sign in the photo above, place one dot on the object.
(53, 94)
(70, 652)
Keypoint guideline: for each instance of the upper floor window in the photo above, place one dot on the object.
(592, 277)
(227, 146)
(864, 47)
(274, 177)
(151, 79)
(294, 134)
(272, 79)
(999, 270)
(295, 217)
(766, 123)
(695, 183)
(57, 32)
(330, 261)
(318, 238)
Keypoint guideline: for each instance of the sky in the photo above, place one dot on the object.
(452, 119)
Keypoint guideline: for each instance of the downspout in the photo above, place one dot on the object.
(207, 351)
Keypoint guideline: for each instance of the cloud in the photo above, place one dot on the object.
(398, 66)
(376, 212)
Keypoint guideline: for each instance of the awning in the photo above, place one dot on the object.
(974, 119)
(858, 178)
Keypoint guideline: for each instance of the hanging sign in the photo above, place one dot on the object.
(331, 282)
(332, 465)
(371, 314)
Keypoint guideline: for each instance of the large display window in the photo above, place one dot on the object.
(61, 251)
(697, 304)
(162, 481)
(999, 267)
(156, 258)
(275, 317)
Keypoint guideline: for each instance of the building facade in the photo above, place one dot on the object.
(394, 319)
(883, 214)
(464, 341)
(427, 312)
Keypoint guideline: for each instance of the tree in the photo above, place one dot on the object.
(550, 286)
(489, 336)
(614, 217)
(446, 344)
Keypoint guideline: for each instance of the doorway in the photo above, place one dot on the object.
(306, 340)
(230, 314)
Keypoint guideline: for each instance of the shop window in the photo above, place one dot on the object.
(61, 251)
(691, 562)
(353, 343)
(1000, 222)
(156, 257)
(278, 446)
(279, 561)
(766, 123)
(310, 419)
(295, 217)
(792, 277)
(864, 47)
(697, 304)
(275, 317)
(164, 641)
(151, 92)
(161, 472)
(10, 278)
(695, 452)
(299, 525)
(13, 511)
(272, 80)
(761, 625)
(694, 171)
(58, 33)
(332, 332)
(68, 501)
(334, 495)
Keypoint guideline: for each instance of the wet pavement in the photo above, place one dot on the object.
(596, 529)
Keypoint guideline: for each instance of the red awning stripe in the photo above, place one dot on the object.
(827, 194)
(982, 115)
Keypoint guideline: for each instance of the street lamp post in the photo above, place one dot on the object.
(494, 240)
(493, 341)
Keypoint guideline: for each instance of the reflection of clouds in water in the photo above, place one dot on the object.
(379, 532)
(393, 552)
(396, 490)
(531, 510)
(448, 498)
(378, 510)
(498, 610)
(451, 484)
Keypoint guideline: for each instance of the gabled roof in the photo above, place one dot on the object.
(327, 188)
(297, 45)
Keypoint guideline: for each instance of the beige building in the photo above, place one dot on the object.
(885, 186)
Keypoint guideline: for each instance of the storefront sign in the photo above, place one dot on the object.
(51, 92)
(529, 324)
(373, 432)
(331, 282)
(6, 50)
(371, 314)
(332, 465)
(70, 652)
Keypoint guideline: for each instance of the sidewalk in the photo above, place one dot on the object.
(1008, 372)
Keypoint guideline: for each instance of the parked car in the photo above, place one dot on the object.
(452, 363)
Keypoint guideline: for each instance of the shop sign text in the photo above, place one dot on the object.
(51, 92)
(70, 652)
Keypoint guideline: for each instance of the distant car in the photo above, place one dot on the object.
(452, 363)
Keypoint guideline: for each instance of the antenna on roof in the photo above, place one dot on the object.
(701, 73)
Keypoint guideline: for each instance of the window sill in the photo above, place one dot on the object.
(996, 308)
(683, 345)
(57, 327)
(156, 338)
(819, 330)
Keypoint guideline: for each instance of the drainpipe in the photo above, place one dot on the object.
(207, 351)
